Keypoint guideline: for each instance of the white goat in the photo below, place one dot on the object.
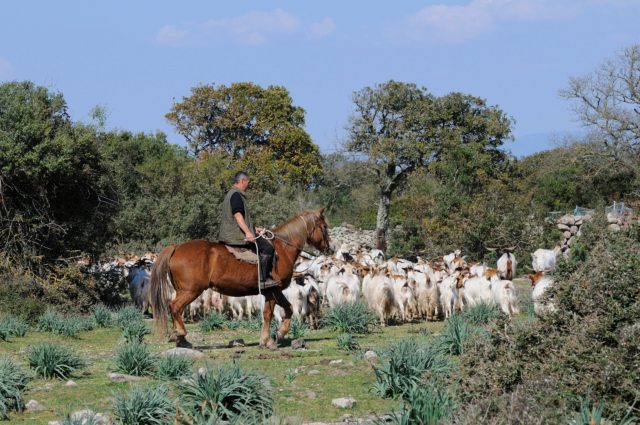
(541, 283)
(544, 260)
(507, 266)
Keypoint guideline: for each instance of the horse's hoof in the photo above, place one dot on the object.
(183, 343)
(173, 337)
(272, 345)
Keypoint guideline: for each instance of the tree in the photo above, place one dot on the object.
(260, 128)
(607, 102)
(400, 128)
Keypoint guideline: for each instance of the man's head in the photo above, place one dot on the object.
(241, 180)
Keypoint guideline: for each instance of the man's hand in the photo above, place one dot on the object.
(259, 229)
(249, 237)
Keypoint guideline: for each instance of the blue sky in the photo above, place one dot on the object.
(134, 58)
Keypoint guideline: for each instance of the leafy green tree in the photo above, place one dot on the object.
(400, 128)
(52, 194)
(259, 128)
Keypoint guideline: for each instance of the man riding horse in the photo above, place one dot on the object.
(237, 229)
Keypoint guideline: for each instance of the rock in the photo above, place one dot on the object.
(187, 352)
(84, 416)
(370, 356)
(33, 406)
(70, 383)
(121, 377)
(298, 344)
(612, 218)
(615, 227)
(574, 230)
(570, 241)
(236, 343)
(566, 253)
(311, 394)
(343, 402)
(566, 234)
(563, 227)
(567, 219)
(53, 423)
(579, 221)
(202, 371)
(314, 372)
(336, 362)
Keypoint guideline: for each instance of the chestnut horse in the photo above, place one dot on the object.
(194, 266)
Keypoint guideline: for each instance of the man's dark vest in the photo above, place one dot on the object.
(230, 232)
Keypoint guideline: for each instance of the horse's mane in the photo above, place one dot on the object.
(295, 225)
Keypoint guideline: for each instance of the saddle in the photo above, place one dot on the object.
(243, 254)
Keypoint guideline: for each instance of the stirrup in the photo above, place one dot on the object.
(269, 283)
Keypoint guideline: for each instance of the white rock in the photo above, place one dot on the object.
(563, 227)
(71, 383)
(53, 423)
(614, 227)
(121, 377)
(370, 355)
(314, 372)
(188, 352)
(567, 219)
(566, 234)
(33, 406)
(574, 230)
(336, 362)
(343, 402)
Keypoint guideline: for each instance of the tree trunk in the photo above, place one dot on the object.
(382, 222)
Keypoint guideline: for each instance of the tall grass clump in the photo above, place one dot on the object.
(410, 362)
(227, 393)
(456, 332)
(134, 359)
(212, 321)
(4, 334)
(144, 406)
(481, 314)
(135, 331)
(350, 318)
(347, 342)
(173, 367)
(52, 321)
(14, 325)
(298, 328)
(13, 382)
(54, 361)
(593, 414)
(87, 418)
(424, 405)
(129, 314)
(102, 316)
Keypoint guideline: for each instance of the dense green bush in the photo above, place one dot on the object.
(129, 314)
(482, 313)
(349, 318)
(347, 342)
(135, 331)
(135, 359)
(13, 382)
(537, 371)
(212, 321)
(144, 406)
(422, 405)
(52, 321)
(15, 325)
(409, 362)
(102, 316)
(298, 328)
(172, 367)
(49, 360)
(457, 331)
(227, 393)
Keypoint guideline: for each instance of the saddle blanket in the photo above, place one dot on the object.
(243, 254)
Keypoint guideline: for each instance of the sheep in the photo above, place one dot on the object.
(541, 304)
(544, 260)
(379, 295)
(507, 266)
(505, 296)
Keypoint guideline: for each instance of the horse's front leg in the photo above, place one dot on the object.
(282, 301)
(267, 316)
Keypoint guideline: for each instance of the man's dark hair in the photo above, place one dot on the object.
(239, 176)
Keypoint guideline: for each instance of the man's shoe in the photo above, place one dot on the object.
(269, 283)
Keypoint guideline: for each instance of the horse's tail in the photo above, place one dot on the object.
(160, 288)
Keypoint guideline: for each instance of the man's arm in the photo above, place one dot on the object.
(248, 234)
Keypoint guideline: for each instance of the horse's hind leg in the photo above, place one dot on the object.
(282, 301)
(267, 316)
(183, 298)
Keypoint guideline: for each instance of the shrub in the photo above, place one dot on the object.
(424, 405)
(49, 321)
(102, 316)
(52, 321)
(481, 314)
(173, 367)
(54, 361)
(228, 393)
(592, 414)
(455, 334)
(14, 325)
(212, 321)
(135, 331)
(253, 324)
(144, 406)
(298, 328)
(134, 359)
(13, 381)
(410, 363)
(4, 334)
(347, 342)
(88, 418)
(350, 318)
(129, 314)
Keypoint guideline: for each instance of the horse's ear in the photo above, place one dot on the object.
(321, 211)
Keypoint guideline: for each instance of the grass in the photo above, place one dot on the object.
(70, 326)
(456, 332)
(127, 315)
(212, 321)
(49, 360)
(102, 316)
(172, 367)
(13, 381)
(135, 359)
(347, 342)
(350, 318)
(135, 332)
(13, 325)
(144, 406)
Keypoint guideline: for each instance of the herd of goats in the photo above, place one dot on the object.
(394, 289)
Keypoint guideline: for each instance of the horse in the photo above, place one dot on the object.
(193, 266)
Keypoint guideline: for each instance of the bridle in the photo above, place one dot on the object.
(269, 235)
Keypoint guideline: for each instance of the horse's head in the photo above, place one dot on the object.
(318, 234)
